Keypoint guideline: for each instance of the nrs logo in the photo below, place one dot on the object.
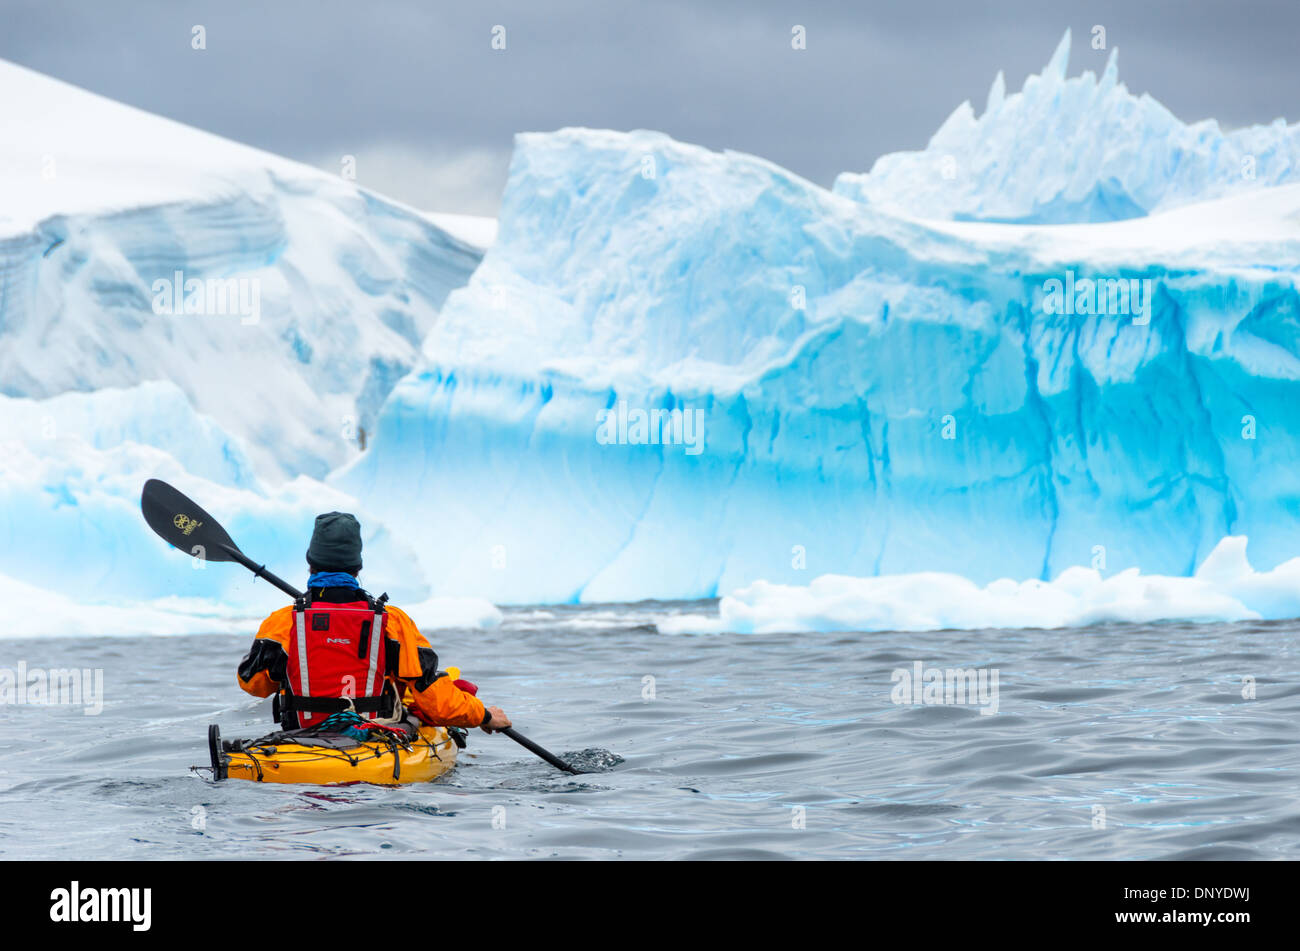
(337, 640)
(103, 904)
(185, 524)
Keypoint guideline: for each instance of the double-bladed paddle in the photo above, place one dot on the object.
(181, 523)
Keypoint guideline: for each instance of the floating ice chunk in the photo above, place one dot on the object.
(1225, 589)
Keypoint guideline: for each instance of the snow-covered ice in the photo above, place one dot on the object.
(1074, 150)
(478, 231)
(321, 292)
(866, 387)
(101, 387)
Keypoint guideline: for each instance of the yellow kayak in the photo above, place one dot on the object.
(335, 761)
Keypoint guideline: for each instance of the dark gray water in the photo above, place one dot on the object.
(1117, 742)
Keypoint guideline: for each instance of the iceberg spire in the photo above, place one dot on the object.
(997, 94)
(1060, 61)
(1111, 75)
(1080, 149)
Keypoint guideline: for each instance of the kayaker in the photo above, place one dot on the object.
(321, 655)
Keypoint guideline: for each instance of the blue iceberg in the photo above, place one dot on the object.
(878, 394)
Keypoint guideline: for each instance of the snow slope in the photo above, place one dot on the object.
(475, 230)
(1074, 150)
(99, 201)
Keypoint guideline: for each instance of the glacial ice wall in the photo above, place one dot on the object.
(877, 395)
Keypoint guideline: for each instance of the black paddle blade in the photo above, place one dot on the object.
(182, 524)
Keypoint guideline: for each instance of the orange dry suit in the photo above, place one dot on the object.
(318, 635)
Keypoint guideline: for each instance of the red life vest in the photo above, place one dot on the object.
(337, 654)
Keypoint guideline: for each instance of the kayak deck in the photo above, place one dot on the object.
(426, 756)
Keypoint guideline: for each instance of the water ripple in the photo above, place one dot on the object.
(1115, 742)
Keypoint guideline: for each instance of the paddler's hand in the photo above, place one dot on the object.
(497, 720)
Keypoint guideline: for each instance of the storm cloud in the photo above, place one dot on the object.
(415, 91)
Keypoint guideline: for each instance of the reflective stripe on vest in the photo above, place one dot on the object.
(376, 638)
(300, 619)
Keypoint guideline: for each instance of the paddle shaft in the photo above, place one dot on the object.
(532, 747)
(261, 572)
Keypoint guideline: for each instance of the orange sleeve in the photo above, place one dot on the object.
(253, 674)
(440, 702)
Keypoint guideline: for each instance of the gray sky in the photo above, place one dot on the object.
(413, 89)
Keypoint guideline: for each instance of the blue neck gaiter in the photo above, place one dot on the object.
(332, 579)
